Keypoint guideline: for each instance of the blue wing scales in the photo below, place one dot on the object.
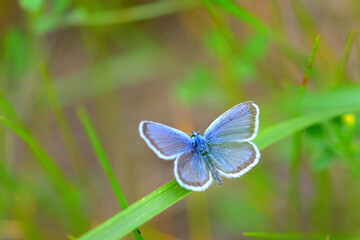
(233, 159)
(191, 172)
(166, 142)
(239, 123)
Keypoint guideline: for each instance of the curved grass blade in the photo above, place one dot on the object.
(131, 14)
(138, 213)
(259, 26)
(66, 133)
(279, 131)
(157, 201)
(340, 70)
(54, 174)
(103, 160)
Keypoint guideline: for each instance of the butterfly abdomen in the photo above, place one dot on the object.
(200, 146)
(214, 172)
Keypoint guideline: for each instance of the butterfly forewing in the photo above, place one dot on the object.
(165, 141)
(191, 171)
(233, 159)
(239, 123)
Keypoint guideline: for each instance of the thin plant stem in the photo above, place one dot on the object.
(103, 160)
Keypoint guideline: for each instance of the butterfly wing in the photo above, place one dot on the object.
(166, 142)
(233, 159)
(239, 123)
(191, 172)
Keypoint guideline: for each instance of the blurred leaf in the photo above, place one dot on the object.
(243, 62)
(16, 52)
(156, 202)
(45, 23)
(141, 12)
(31, 5)
(255, 47)
(61, 5)
(53, 18)
(216, 45)
(198, 86)
(322, 161)
(228, 214)
(245, 70)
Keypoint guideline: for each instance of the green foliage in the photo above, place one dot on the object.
(143, 210)
(139, 212)
(16, 54)
(199, 85)
(31, 5)
(185, 61)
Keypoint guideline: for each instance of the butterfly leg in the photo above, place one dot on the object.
(214, 172)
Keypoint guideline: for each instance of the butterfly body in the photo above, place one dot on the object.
(201, 147)
(225, 148)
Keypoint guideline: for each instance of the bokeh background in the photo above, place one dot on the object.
(181, 63)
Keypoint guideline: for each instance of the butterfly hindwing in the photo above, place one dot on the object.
(239, 123)
(191, 171)
(166, 142)
(233, 159)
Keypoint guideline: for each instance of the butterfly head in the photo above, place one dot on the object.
(193, 134)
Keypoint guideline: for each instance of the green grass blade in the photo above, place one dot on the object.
(132, 14)
(103, 160)
(294, 160)
(62, 123)
(259, 26)
(342, 97)
(221, 25)
(243, 15)
(45, 161)
(9, 111)
(340, 70)
(284, 129)
(310, 62)
(138, 213)
(54, 175)
(148, 207)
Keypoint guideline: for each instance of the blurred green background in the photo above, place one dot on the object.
(181, 63)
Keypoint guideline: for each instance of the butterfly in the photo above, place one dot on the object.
(225, 148)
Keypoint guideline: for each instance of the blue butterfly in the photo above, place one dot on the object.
(225, 149)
